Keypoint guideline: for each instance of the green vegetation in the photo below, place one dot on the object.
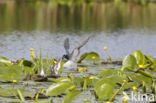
(137, 73)
(76, 15)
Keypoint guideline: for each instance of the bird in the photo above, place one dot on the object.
(56, 66)
(71, 57)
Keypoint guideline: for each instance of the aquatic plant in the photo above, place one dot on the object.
(136, 74)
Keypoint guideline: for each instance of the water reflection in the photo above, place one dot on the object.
(17, 44)
(60, 16)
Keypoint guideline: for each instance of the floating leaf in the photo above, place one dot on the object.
(63, 79)
(58, 88)
(83, 56)
(129, 62)
(139, 57)
(10, 73)
(88, 56)
(9, 92)
(130, 85)
(113, 79)
(71, 96)
(109, 72)
(93, 54)
(104, 91)
(140, 78)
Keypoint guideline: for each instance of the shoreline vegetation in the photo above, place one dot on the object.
(77, 15)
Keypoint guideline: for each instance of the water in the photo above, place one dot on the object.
(122, 26)
(17, 44)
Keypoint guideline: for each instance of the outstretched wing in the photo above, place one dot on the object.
(76, 51)
(66, 45)
(82, 43)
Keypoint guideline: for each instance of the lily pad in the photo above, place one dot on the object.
(129, 62)
(104, 91)
(71, 96)
(10, 73)
(89, 56)
(140, 58)
(58, 88)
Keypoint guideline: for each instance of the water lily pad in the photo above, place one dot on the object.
(140, 78)
(10, 73)
(140, 58)
(58, 88)
(129, 62)
(113, 79)
(71, 96)
(89, 56)
(109, 72)
(104, 91)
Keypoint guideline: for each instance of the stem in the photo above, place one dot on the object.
(117, 91)
(20, 95)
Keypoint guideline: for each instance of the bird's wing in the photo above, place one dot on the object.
(74, 54)
(76, 51)
(66, 45)
(82, 43)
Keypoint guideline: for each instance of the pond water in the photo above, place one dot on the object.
(122, 26)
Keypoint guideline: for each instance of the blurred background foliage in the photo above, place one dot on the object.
(77, 15)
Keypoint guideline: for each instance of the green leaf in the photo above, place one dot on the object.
(9, 92)
(140, 78)
(61, 67)
(27, 63)
(71, 96)
(10, 73)
(139, 57)
(130, 85)
(129, 62)
(150, 59)
(88, 56)
(83, 56)
(104, 91)
(58, 88)
(63, 79)
(113, 79)
(109, 72)
(91, 54)
(5, 61)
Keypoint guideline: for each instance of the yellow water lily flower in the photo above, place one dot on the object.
(134, 88)
(32, 53)
(93, 57)
(55, 62)
(107, 102)
(105, 48)
(91, 78)
(125, 100)
(106, 60)
(141, 66)
(14, 81)
(81, 69)
(124, 81)
(31, 49)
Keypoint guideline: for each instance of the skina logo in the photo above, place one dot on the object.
(137, 96)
